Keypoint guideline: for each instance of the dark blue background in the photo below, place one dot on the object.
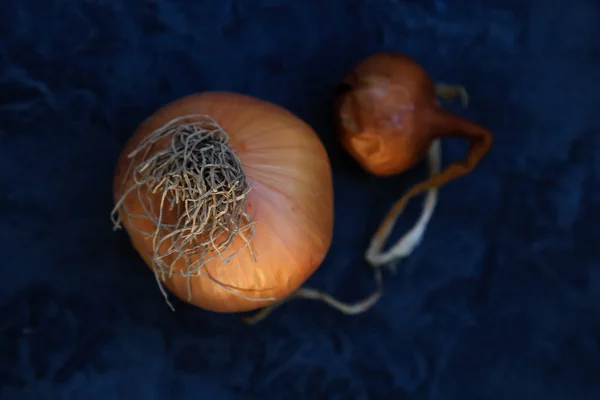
(501, 300)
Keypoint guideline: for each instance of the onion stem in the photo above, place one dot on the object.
(356, 308)
(410, 240)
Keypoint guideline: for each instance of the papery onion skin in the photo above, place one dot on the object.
(291, 200)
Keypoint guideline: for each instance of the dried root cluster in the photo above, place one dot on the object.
(194, 192)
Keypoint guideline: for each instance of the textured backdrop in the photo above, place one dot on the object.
(501, 300)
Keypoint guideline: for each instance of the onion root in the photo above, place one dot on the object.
(193, 190)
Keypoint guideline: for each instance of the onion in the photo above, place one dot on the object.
(388, 116)
(227, 198)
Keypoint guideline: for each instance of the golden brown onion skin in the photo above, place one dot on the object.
(291, 199)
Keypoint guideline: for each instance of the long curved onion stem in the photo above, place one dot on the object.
(193, 191)
(409, 241)
(356, 308)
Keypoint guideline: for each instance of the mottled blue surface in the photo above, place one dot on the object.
(501, 301)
